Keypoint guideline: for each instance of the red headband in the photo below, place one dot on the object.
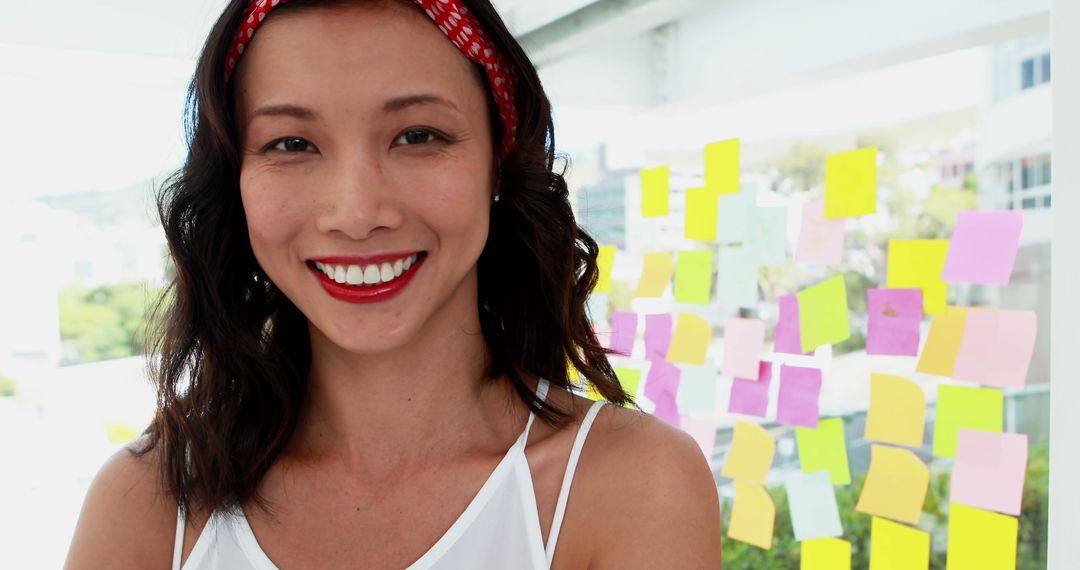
(455, 21)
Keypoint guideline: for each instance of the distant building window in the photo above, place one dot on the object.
(1046, 201)
(1028, 204)
(1035, 171)
(1035, 71)
(1045, 62)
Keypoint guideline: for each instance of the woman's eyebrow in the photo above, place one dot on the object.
(391, 106)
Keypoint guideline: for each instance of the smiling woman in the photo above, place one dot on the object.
(379, 286)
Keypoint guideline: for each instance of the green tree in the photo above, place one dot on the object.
(105, 322)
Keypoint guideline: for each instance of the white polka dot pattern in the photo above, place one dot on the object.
(454, 20)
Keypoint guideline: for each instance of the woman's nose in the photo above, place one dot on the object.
(358, 200)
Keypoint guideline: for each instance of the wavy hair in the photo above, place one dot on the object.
(232, 353)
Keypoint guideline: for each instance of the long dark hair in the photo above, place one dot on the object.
(233, 353)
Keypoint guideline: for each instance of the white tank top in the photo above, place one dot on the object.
(500, 529)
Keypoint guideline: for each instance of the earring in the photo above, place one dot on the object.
(496, 199)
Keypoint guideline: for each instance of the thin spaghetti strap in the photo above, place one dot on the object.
(541, 394)
(568, 477)
(179, 548)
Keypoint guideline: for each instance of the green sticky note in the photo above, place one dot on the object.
(917, 263)
(722, 167)
(693, 277)
(701, 214)
(655, 190)
(823, 314)
(629, 378)
(851, 183)
(825, 449)
(965, 407)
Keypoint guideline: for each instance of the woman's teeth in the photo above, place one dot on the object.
(367, 274)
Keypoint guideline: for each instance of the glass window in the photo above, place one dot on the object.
(1029, 203)
(1045, 64)
(1027, 73)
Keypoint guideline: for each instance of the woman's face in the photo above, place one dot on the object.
(365, 145)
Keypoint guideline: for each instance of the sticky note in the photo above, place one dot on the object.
(821, 240)
(824, 448)
(943, 342)
(655, 191)
(691, 339)
(657, 335)
(897, 411)
(623, 331)
(744, 340)
(894, 546)
(701, 214)
(750, 455)
(981, 540)
(767, 236)
(662, 383)
(693, 277)
(963, 407)
(703, 430)
(996, 347)
(120, 434)
(722, 166)
(893, 319)
(655, 275)
(823, 314)
(605, 260)
(989, 470)
(797, 403)
(735, 216)
(752, 516)
(698, 389)
(851, 183)
(786, 339)
(736, 277)
(918, 263)
(629, 379)
(983, 247)
(814, 513)
(895, 485)
(751, 397)
(825, 554)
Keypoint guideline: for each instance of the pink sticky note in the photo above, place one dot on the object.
(894, 318)
(989, 470)
(983, 247)
(662, 388)
(996, 347)
(743, 340)
(751, 397)
(657, 336)
(623, 331)
(797, 404)
(821, 240)
(703, 430)
(787, 337)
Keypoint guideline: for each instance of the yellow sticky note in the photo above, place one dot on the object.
(825, 554)
(960, 407)
(751, 453)
(895, 485)
(655, 274)
(120, 434)
(702, 209)
(605, 260)
(693, 277)
(691, 339)
(851, 183)
(897, 411)
(917, 263)
(823, 314)
(752, 516)
(629, 378)
(894, 546)
(943, 342)
(655, 190)
(824, 448)
(722, 167)
(981, 540)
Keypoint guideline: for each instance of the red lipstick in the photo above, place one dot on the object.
(365, 293)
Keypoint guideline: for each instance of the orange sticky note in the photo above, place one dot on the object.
(655, 274)
(722, 167)
(752, 516)
(894, 546)
(690, 341)
(851, 183)
(655, 190)
(917, 263)
(750, 455)
(895, 486)
(943, 342)
(825, 554)
(981, 540)
(897, 411)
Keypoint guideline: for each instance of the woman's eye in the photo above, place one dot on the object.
(291, 145)
(416, 136)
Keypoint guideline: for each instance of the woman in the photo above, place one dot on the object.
(365, 323)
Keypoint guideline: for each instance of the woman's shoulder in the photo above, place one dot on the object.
(128, 519)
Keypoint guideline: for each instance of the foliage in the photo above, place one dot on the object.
(104, 322)
(784, 554)
(8, 386)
